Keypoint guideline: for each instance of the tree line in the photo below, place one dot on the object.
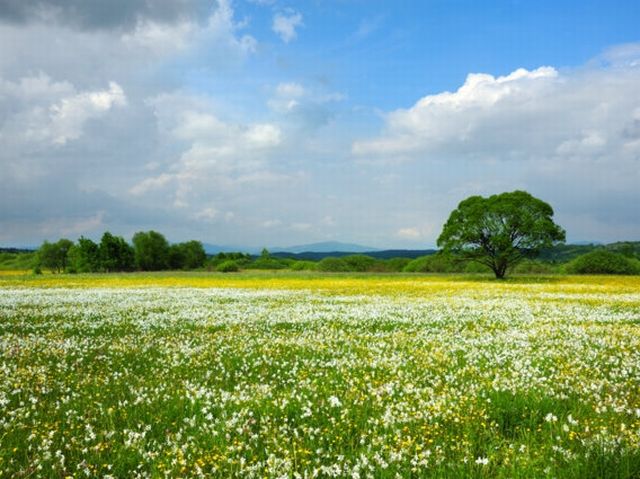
(149, 251)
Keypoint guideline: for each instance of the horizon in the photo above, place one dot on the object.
(300, 248)
(271, 122)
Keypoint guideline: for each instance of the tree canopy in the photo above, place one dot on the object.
(151, 251)
(500, 230)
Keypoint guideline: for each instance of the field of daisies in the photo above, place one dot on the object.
(301, 377)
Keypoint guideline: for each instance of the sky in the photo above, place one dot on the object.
(274, 122)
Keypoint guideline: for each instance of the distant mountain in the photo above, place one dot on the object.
(325, 247)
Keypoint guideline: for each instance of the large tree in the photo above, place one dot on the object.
(115, 254)
(151, 251)
(84, 257)
(188, 255)
(500, 230)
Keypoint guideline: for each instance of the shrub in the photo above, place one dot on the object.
(241, 260)
(396, 264)
(418, 265)
(474, 268)
(436, 263)
(359, 263)
(304, 266)
(332, 265)
(529, 266)
(603, 262)
(229, 266)
(267, 263)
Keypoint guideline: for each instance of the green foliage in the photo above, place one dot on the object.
(603, 262)
(437, 263)
(84, 257)
(267, 263)
(228, 266)
(115, 254)
(396, 265)
(417, 265)
(359, 263)
(151, 251)
(332, 265)
(242, 259)
(473, 267)
(630, 249)
(530, 266)
(53, 256)
(188, 255)
(303, 266)
(501, 230)
(18, 260)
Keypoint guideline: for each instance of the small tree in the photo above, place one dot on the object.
(500, 230)
(53, 256)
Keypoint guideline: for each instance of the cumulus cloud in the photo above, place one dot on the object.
(569, 136)
(51, 113)
(285, 25)
(75, 124)
(215, 152)
(481, 103)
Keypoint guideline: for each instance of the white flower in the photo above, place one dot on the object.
(334, 401)
(482, 460)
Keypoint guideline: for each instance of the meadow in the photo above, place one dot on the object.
(283, 375)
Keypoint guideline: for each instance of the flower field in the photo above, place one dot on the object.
(334, 376)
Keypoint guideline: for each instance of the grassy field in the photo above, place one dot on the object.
(308, 375)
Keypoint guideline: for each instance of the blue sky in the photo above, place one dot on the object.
(266, 122)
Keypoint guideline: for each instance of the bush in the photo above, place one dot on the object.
(304, 266)
(436, 263)
(603, 262)
(396, 264)
(332, 265)
(473, 267)
(267, 263)
(241, 260)
(529, 266)
(229, 266)
(359, 263)
(418, 265)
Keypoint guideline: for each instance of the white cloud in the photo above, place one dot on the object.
(45, 113)
(459, 116)
(287, 97)
(151, 184)
(570, 137)
(70, 114)
(285, 24)
(225, 154)
(206, 214)
(263, 135)
(408, 233)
